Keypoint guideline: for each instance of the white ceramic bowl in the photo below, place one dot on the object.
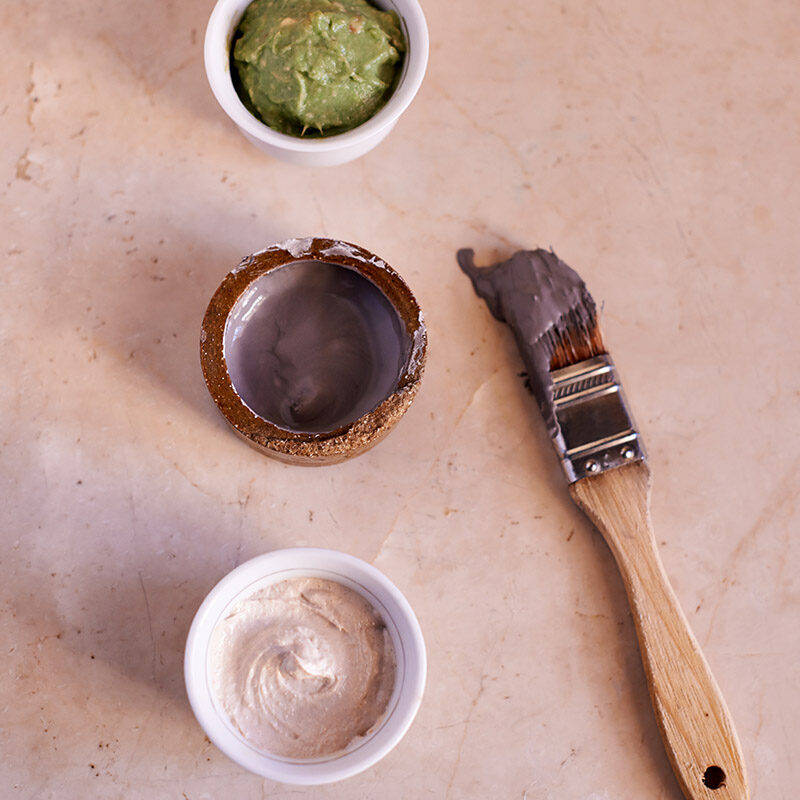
(326, 151)
(386, 599)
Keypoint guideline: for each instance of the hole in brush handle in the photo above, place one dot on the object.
(714, 777)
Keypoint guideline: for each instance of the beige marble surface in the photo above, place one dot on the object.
(655, 146)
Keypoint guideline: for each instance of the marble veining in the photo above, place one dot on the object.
(653, 146)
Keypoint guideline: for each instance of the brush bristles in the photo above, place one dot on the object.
(575, 337)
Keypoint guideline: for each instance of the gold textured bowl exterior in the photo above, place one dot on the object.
(347, 441)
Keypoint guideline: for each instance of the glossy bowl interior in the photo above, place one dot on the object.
(387, 600)
(313, 350)
(313, 346)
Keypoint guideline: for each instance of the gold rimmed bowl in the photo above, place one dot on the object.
(313, 349)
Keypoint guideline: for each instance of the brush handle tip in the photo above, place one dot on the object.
(692, 716)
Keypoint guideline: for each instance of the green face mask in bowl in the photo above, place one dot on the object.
(356, 120)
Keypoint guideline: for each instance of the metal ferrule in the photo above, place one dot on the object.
(597, 432)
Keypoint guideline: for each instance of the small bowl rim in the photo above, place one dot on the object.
(296, 446)
(221, 25)
(374, 586)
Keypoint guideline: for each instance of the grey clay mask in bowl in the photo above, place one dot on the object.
(313, 349)
(313, 346)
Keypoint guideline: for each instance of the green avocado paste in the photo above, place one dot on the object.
(316, 67)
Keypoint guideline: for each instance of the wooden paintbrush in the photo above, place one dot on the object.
(554, 320)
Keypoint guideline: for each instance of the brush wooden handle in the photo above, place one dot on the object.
(694, 721)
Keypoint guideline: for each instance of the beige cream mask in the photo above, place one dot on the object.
(304, 668)
(313, 349)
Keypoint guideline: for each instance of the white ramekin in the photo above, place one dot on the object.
(400, 621)
(326, 151)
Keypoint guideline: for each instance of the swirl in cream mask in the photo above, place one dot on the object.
(302, 667)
